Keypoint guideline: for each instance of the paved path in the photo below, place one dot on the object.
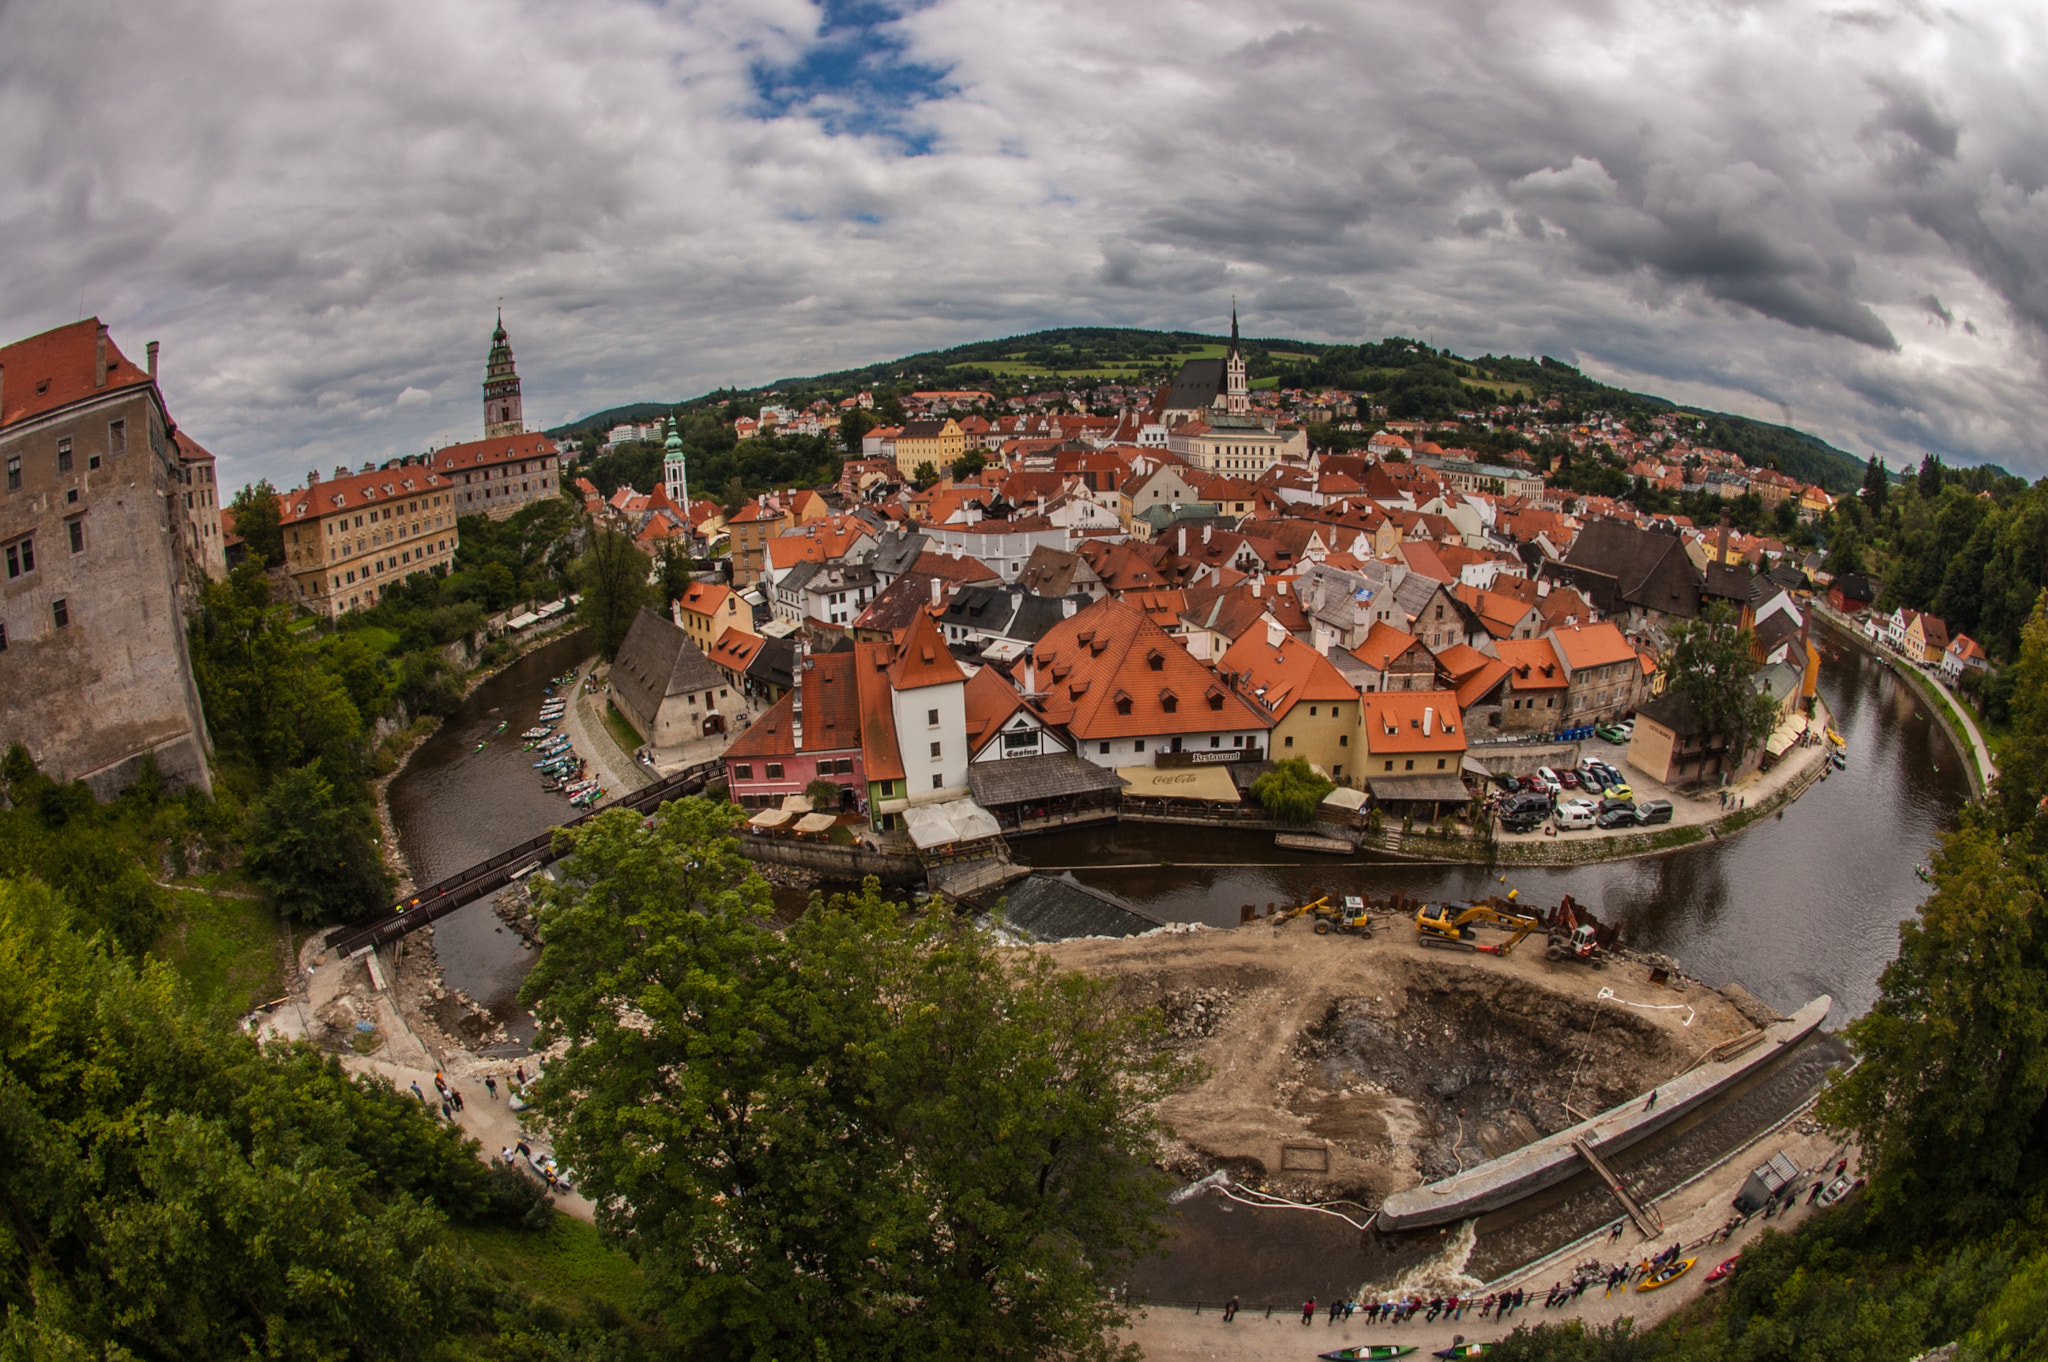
(1173, 1334)
(584, 722)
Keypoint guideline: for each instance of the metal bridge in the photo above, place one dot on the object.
(488, 877)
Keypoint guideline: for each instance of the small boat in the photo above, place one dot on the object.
(1666, 1275)
(501, 726)
(1836, 738)
(550, 786)
(1464, 1350)
(1368, 1352)
(482, 745)
(1926, 876)
(1721, 1272)
(537, 732)
(1836, 1190)
(1841, 762)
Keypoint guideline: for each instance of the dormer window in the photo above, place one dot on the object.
(1123, 703)
(1169, 702)
(1156, 660)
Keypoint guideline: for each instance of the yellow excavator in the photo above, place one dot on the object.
(1352, 917)
(1451, 928)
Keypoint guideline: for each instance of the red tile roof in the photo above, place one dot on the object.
(921, 659)
(378, 487)
(1593, 645)
(1110, 671)
(47, 372)
(489, 453)
(879, 756)
(1534, 662)
(1283, 676)
(1393, 722)
(832, 715)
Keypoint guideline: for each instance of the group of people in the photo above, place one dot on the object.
(450, 1096)
(1497, 1305)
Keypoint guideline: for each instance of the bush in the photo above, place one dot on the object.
(516, 1197)
(1291, 791)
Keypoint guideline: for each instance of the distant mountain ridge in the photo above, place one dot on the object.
(1408, 376)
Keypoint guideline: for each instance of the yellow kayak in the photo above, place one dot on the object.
(1836, 738)
(1666, 1275)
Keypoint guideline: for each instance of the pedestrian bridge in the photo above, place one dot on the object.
(485, 878)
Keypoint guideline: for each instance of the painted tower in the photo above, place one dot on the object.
(1236, 391)
(675, 469)
(502, 414)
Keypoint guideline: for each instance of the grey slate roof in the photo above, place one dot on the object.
(775, 663)
(1058, 909)
(983, 607)
(1198, 384)
(1618, 565)
(1055, 775)
(658, 660)
(895, 553)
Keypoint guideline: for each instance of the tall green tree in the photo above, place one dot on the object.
(612, 575)
(1291, 790)
(672, 571)
(316, 853)
(1876, 487)
(870, 1135)
(1712, 664)
(257, 520)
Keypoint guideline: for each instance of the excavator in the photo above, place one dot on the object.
(1574, 937)
(1450, 928)
(1352, 918)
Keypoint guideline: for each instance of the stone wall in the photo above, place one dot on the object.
(1521, 759)
(851, 864)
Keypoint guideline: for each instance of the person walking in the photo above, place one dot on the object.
(1230, 1310)
(1841, 1168)
(524, 1152)
(1651, 1105)
(1336, 1309)
(1308, 1310)
(519, 1074)
(491, 1087)
(447, 1112)
(416, 1091)
(1814, 1195)
(455, 1096)
(506, 1155)
(440, 1083)
(1614, 1233)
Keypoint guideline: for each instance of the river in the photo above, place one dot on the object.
(1804, 904)
(1793, 907)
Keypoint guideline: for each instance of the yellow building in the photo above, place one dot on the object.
(347, 540)
(938, 443)
(1314, 709)
(706, 611)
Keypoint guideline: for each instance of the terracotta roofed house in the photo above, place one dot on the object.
(665, 685)
(816, 737)
(498, 476)
(1313, 708)
(349, 538)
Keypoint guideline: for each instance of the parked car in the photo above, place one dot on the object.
(1612, 803)
(1505, 781)
(1549, 779)
(1538, 802)
(1612, 733)
(1576, 815)
(1619, 790)
(1527, 822)
(1569, 779)
(1617, 818)
(1654, 811)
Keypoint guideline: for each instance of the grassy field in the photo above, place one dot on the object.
(224, 945)
(569, 1265)
(621, 731)
(383, 640)
(1016, 366)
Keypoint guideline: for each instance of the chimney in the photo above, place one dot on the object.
(99, 367)
(1030, 675)
(935, 593)
(796, 700)
(1205, 532)
(1428, 718)
(1275, 634)
(312, 477)
(152, 361)
(1255, 589)
(1183, 541)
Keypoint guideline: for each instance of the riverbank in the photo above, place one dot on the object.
(1955, 717)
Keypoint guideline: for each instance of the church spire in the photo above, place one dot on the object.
(1236, 390)
(1233, 326)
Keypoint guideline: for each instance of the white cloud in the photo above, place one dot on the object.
(316, 206)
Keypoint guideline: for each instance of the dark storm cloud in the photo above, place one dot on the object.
(317, 206)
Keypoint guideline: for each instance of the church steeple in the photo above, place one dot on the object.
(1236, 391)
(503, 414)
(675, 469)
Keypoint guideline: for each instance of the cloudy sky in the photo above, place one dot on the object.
(1832, 212)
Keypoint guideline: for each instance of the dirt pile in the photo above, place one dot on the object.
(1347, 1067)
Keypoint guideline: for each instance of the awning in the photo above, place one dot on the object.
(769, 818)
(1344, 798)
(817, 822)
(956, 820)
(796, 803)
(1786, 734)
(1054, 775)
(1211, 783)
(522, 621)
(1439, 787)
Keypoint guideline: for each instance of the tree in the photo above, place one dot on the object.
(257, 515)
(924, 475)
(317, 855)
(1845, 553)
(173, 1189)
(823, 794)
(871, 1135)
(1930, 477)
(1291, 791)
(968, 464)
(672, 570)
(1876, 487)
(1712, 664)
(853, 424)
(613, 578)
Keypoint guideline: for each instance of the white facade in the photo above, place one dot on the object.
(1023, 736)
(931, 737)
(1114, 752)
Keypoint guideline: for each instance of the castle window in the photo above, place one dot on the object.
(64, 456)
(117, 437)
(76, 529)
(60, 612)
(14, 472)
(21, 557)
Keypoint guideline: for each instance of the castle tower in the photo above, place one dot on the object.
(502, 413)
(675, 469)
(1236, 391)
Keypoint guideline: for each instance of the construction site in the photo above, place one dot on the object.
(1355, 1053)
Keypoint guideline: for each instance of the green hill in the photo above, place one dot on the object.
(1408, 378)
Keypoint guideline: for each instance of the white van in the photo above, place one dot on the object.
(1575, 816)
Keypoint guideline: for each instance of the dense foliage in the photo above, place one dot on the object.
(869, 1135)
(612, 576)
(1292, 790)
(175, 1191)
(1712, 664)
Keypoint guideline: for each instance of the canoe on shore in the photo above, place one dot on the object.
(1666, 1275)
(1369, 1352)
